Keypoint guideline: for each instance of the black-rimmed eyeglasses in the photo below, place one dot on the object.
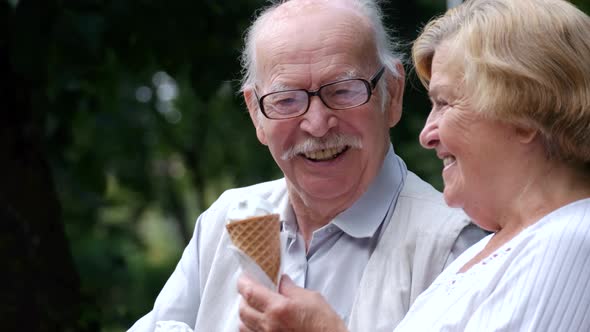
(339, 95)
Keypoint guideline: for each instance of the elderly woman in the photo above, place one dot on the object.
(509, 82)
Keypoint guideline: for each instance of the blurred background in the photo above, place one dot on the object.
(121, 123)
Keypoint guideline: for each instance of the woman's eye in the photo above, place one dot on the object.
(438, 104)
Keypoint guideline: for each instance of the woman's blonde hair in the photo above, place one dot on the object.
(523, 61)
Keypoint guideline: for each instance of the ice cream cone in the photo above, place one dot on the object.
(259, 238)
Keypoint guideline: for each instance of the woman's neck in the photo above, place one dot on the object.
(544, 191)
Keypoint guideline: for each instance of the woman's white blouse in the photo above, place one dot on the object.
(538, 281)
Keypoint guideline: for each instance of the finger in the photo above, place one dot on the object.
(244, 328)
(290, 290)
(250, 318)
(286, 285)
(255, 294)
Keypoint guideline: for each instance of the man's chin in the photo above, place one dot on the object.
(321, 190)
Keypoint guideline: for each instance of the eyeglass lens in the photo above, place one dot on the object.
(338, 95)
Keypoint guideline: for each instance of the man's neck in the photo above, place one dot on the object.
(313, 214)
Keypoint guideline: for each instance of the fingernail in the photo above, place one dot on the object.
(286, 279)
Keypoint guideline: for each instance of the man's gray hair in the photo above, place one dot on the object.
(370, 10)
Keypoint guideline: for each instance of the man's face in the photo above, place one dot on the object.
(337, 153)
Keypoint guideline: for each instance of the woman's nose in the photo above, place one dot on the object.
(319, 119)
(429, 135)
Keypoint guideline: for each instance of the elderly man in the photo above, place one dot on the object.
(323, 88)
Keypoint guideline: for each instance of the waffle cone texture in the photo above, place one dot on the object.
(259, 238)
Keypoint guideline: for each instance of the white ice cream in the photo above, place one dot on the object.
(249, 207)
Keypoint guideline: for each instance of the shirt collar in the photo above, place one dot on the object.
(288, 218)
(365, 216)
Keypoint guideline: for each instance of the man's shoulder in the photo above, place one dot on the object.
(271, 191)
(421, 192)
(265, 190)
(211, 223)
(426, 206)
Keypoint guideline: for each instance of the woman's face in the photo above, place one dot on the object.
(473, 148)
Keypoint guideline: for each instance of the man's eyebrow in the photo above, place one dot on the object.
(277, 87)
(347, 75)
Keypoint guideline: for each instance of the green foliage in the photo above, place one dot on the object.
(144, 129)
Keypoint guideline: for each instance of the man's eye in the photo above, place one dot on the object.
(283, 102)
(342, 92)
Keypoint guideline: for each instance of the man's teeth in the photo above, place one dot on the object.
(324, 154)
(448, 160)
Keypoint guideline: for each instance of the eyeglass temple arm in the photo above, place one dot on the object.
(377, 76)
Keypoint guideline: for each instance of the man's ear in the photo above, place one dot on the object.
(252, 104)
(395, 89)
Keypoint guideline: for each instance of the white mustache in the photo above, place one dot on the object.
(314, 144)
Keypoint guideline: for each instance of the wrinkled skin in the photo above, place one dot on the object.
(480, 155)
(318, 52)
(309, 45)
(291, 309)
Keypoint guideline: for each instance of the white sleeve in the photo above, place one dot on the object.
(172, 326)
(545, 288)
(180, 298)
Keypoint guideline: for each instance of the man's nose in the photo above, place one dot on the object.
(319, 119)
(429, 135)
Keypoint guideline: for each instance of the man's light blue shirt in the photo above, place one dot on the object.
(339, 251)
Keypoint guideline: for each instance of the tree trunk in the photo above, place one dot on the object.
(43, 289)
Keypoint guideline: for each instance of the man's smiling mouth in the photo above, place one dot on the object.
(325, 154)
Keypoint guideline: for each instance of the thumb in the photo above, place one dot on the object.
(287, 286)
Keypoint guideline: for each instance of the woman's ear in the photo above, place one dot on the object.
(252, 104)
(395, 89)
(526, 135)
